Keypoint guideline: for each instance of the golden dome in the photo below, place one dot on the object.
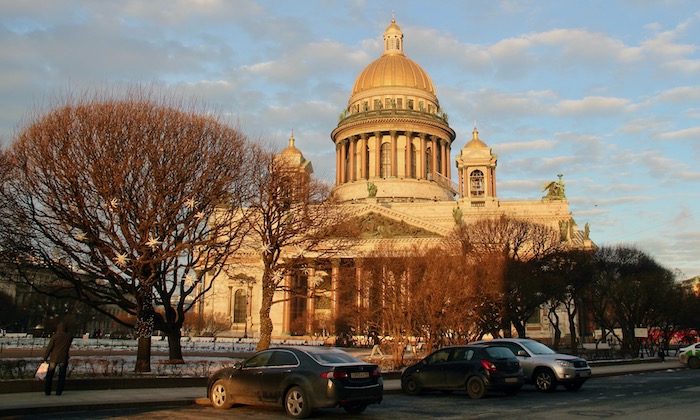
(393, 68)
(475, 142)
(292, 149)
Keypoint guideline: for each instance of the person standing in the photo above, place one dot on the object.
(56, 355)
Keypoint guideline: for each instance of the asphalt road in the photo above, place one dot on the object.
(673, 393)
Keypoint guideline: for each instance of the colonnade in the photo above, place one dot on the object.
(360, 156)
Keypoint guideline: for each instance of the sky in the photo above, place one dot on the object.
(604, 92)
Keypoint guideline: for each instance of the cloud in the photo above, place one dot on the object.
(524, 146)
(692, 133)
(594, 105)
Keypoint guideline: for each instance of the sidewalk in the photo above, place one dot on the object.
(32, 403)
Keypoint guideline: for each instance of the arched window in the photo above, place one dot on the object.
(385, 160)
(476, 183)
(240, 306)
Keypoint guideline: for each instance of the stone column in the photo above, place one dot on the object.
(337, 164)
(335, 272)
(343, 156)
(435, 150)
(286, 313)
(352, 174)
(363, 157)
(377, 153)
(443, 157)
(409, 153)
(421, 158)
(394, 170)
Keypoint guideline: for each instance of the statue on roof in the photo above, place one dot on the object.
(555, 190)
(371, 189)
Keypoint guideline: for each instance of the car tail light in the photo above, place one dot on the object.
(334, 375)
(376, 373)
(488, 365)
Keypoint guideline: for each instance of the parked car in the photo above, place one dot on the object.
(300, 379)
(690, 355)
(474, 368)
(544, 367)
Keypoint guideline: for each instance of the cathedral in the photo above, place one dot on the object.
(394, 173)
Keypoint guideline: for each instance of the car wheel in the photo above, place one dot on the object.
(545, 380)
(574, 386)
(694, 363)
(476, 388)
(296, 403)
(411, 386)
(218, 395)
(355, 408)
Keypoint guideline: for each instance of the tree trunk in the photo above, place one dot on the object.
(143, 355)
(554, 321)
(265, 320)
(520, 328)
(572, 328)
(175, 346)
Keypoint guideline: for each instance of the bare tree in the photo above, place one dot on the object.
(518, 242)
(129, 201)
(291, 216)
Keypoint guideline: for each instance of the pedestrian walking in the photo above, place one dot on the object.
(375, 345)
(56, 355)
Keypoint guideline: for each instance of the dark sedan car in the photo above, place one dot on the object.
(477, 369)
(300, 379)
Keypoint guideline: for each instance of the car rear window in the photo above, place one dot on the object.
(499, 352)
(333, 358)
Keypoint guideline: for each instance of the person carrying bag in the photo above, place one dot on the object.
(40, 374)
(56, 354)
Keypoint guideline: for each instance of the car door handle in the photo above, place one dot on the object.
(259, 372)
(287, 371)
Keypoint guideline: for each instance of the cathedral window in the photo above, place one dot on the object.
(377, 104)
(399, 103)
(476, 182)
(387, 103)
(385, 160)
(240, 306)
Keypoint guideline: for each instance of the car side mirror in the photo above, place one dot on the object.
(522, 353)
(238, 365)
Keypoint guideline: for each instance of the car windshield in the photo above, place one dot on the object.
(536, 347)
(333, 358)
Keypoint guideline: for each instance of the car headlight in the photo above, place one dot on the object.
(564, 363)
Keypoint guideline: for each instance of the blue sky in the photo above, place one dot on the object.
(606, 93)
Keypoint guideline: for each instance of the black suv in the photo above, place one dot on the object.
(474, 368)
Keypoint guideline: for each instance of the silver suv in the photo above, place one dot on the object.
(544, 367)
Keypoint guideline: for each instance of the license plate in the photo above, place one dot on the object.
(585, 374)
(359, 375)
(511, 379)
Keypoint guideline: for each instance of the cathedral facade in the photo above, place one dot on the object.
(394, 173)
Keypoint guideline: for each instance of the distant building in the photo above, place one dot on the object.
(693, 284)
(394, 173)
